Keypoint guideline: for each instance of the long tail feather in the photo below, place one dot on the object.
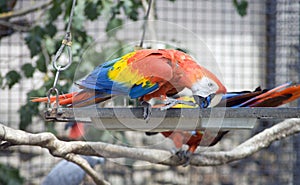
(264, 95)
(278, 98)
(238, 99)
(77, 99)
(85, 98)
(53, 98)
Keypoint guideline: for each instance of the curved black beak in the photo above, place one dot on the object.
(203, 102)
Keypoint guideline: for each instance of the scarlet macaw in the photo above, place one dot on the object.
(146, 74)
(258, 98)
(77, 130)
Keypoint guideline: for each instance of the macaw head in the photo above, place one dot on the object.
(208, 90)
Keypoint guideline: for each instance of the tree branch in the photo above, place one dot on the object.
(12, 137)
(11, 14)
(261, 140)
(15, 26)
(68, 150)
(86, 167)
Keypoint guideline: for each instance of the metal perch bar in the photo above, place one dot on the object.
(125, 119)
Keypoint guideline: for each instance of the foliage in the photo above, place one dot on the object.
(241, 7)
(10, 175)
(12, 77)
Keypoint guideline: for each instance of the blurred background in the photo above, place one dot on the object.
(247, 43)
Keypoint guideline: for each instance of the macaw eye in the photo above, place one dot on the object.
(210, 84)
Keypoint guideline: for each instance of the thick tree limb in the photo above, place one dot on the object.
(68, 150)
(261, 140)
(12, 137)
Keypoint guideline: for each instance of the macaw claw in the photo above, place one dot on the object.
(183, 155)
(147, 110)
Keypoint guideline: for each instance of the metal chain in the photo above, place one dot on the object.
(66, 42)
(145, 23)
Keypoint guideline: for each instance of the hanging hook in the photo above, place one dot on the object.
(51, 90)
(66, 42)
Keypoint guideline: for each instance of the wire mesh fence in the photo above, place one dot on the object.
(258, 49)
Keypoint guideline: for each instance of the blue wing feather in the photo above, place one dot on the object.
(138, 90)
(99, 81)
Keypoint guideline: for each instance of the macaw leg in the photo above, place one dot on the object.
(170, 102)
(184, 155)
(147, 110)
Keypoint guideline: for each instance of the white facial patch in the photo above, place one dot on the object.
(204, 87)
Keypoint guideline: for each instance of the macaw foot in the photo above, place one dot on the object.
(183, 155)
(170, 102)
(147, 110)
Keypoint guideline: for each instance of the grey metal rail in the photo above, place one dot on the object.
(184, 119)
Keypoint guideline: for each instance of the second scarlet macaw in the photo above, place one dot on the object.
(277, 96)
(146, 74)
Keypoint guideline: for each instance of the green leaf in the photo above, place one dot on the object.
(80, 37)
(241, 7)
(41, 64)
(50, 45)
(34, 44)
(25, 116)
(28, 70)
(51, 29)
(92, 10)
(10, 175)
(30, 109)
(1, 80)
(33, 40)
(12, 77)
(68, 7)
(113, 25)
(131, 9)
(6, 6)
(55, 11)
(3, 6)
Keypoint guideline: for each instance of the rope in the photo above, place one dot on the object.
(145, 23)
